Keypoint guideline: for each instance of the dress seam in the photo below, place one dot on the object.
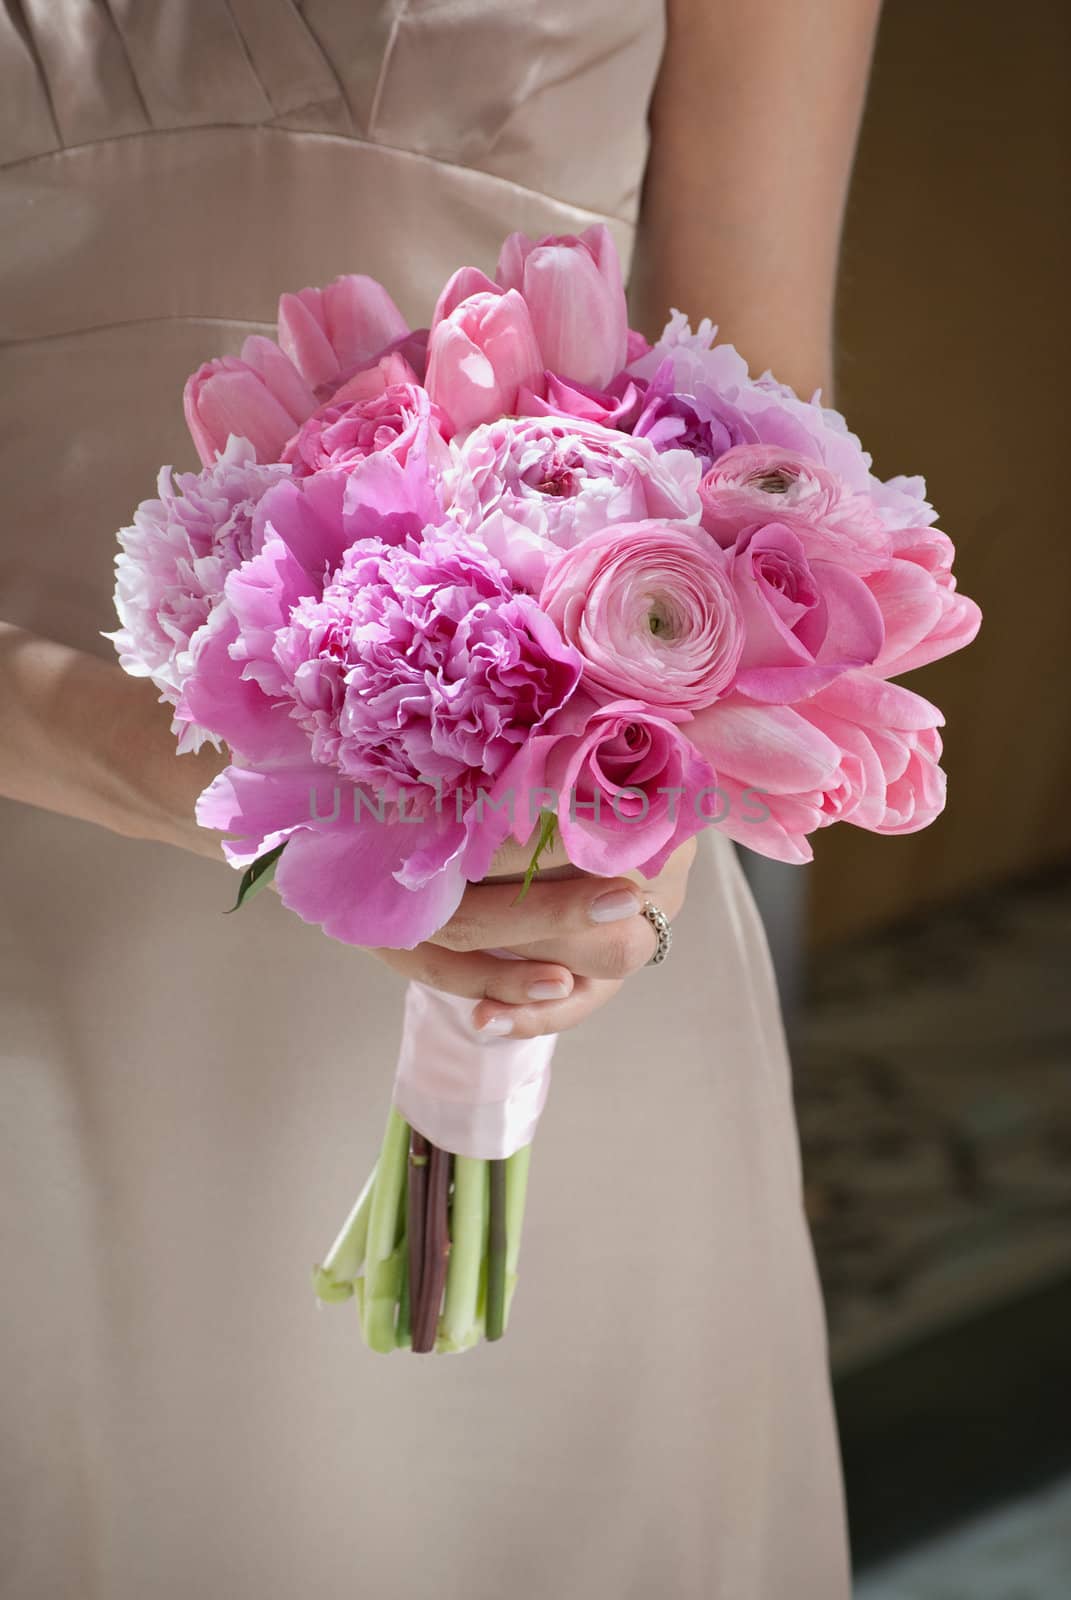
(273, 128)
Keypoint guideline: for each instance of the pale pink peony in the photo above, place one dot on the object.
(391, 420)
(333, 332)
(481, 355)
(174, 562)
(531, 486)
(573, 289)
(259, 396)
(651, 609)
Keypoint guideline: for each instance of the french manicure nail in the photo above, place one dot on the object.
(498, 1025)
(614, 907)
(548, 989)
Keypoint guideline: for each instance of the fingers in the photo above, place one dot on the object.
(532, 1021)
(493, 915)
(618, 949)
(480, 976)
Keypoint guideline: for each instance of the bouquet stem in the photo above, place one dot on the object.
(431, 1248)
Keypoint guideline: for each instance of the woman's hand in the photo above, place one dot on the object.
(579, 938)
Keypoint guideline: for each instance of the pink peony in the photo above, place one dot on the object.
(331, 333)
(481, 356)
(572, 287)
(625, 781)
(174, 562)
(259, 396)
(532, 486)
(651, 609)
(804, 621)
(371, 671)
(340, 434)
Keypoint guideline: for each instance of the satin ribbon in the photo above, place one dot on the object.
(471, 1093)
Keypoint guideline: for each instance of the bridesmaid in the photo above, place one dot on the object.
(186, 1104)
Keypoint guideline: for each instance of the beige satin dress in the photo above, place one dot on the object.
(189, 1101)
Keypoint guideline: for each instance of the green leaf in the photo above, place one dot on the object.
(257, 876)
(548, 825)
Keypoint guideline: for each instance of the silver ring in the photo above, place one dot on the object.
(663, 933)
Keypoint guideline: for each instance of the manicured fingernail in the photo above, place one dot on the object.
(549, 989)
(614, 907)
(499, 1025)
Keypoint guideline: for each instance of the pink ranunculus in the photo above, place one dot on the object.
(760, 483)
(891, 779)
(333, 332)
(805, 621)
(338, 435)
(627, 784)
(481, 356)
(531, 486)
(925, 616)
(259, 396)
(574, 291)
(174, 562)
(615, 407)
(651, 609)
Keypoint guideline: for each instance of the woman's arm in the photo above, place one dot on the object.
(80, 737)
(753, 123)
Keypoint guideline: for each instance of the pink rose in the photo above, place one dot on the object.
(259, 396)
(333, 332)
(925, 617)
(650, 608)
(480, 356)
(627, 784)
(805, 621)
(890, 779)
(758, 483)
(531, 486)
(340, 435)
(573, 289)
(615, 407)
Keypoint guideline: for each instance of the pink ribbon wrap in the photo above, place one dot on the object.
(471, 1093)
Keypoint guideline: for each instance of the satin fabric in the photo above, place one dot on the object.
(190, 1102)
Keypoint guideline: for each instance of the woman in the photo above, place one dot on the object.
(188, 1100)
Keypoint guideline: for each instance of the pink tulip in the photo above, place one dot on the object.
(259, 396)
(924, 615)
(333, 332)
(481, 356)
(890, 779)
(573, 289)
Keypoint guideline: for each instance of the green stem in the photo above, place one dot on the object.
(468, 1228)
(516, 1191)
(335, 1279)
(382, 1275)
(496, 1252)
(436, 1253)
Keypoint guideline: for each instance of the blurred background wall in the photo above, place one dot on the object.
(953, 360)
(932, 1034)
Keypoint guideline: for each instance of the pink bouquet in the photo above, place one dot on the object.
(518, 573)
